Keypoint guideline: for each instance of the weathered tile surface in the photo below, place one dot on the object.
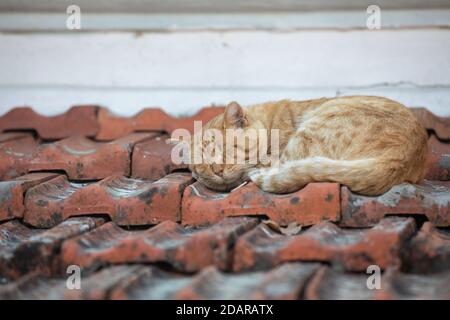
(152, 159)
(428, 251)
(23, 249)
(127, 201)
(83, 159)
(12, 193)
(353, 249)
(314, 203)
(185, 249)
(150, 119)
(78, 120)
(438, 160)
(432, 122)
(431, 199)
(15, 155)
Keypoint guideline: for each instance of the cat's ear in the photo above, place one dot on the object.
(235, 116)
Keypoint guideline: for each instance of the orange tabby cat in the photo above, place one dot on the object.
(364, 142)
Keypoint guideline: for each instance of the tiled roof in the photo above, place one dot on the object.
(99, 191)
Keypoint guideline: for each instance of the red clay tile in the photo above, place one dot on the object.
(187, 123)
(100, 284)
(78, 120)
(127, 201)
(97, 286)
(329, 284)
(149, 282)
(12, 193)
(15, 155)
(84, 159)
(440, 125)
(353, 249)
(115, 282)
(185, 249)
(314, 203)
(287, 281)
(33, 286)
(150, 119)
(428, 251)
(152, 159)
(403, 286)
(8, 136)
(431, 198)
(284, 282)
(438, 159)
(24, 249)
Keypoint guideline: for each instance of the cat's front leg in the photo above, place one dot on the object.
(259, 177)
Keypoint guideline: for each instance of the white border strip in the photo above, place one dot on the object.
(177, 22)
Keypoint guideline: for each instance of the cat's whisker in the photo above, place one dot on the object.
(239, 186)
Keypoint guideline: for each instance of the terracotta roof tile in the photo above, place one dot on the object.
(8, 136)
(25, 249)
(284, 282)
(150, 119)
(83, 159)
(147, 155)
(78, 120)
(148, 282)
(412, 286)
(152, 159)
(100, 284)
(185, 249)
(127, 201)
(15, 155)
(431, 198)
(12, 193)
(36, 286)
(33, 287)
(432, 122)
(428, 251)
(353, 249)
(329, 284)
(314, 203)
(151, 283)
(438, 159)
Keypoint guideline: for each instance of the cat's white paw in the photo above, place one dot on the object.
(261, 177)
(267, 179)
(255, 174)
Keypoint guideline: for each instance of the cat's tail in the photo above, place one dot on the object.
(372, 176)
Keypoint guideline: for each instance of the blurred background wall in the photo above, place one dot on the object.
(185, 54)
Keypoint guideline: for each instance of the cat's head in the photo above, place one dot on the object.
(228, 174)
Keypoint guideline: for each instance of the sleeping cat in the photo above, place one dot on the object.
(364, 142)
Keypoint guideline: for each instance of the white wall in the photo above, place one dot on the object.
(201, 62)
